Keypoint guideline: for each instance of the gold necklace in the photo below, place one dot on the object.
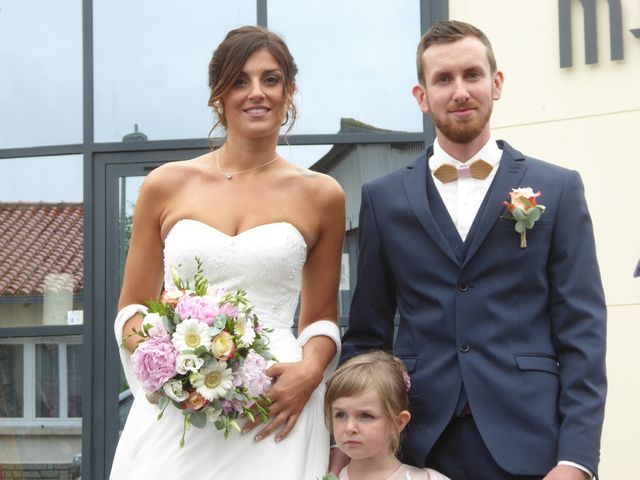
(229, 175)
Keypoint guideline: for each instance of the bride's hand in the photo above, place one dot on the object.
(292, 387)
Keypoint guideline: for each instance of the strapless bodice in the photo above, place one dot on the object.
(266, 261)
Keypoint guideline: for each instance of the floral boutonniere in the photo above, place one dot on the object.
(524, 210)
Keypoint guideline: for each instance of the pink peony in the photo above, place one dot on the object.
(252, 375)
(203, 309)
(154, 362)
(228, 310)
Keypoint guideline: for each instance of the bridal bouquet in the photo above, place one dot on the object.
(203, 351)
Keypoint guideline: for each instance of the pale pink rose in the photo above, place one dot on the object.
(517, 194)
(222, 346)
(154, 362)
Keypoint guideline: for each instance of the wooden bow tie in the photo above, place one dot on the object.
(448, 173)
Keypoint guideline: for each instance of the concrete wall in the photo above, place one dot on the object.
(50, 446)
(587, 118)
(21, 315)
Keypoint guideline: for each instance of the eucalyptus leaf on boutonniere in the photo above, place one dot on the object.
(524, 210)
(330, 476)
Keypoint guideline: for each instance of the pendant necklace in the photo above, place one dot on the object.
(229, 175)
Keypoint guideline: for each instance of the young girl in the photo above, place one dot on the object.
(365, 407)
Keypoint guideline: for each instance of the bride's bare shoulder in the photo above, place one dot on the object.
(316, 186)
(182, 167)
(176, 174)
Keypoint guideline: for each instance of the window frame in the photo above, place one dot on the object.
(29, 418)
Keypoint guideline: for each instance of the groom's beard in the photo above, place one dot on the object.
(462, 130)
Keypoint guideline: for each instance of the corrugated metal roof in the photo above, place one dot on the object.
(36, 241)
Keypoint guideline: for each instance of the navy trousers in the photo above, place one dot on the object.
(460, 454)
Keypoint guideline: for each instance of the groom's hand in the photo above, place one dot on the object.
(292, 387)
(566, 472)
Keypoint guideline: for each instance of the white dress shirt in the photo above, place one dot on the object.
(464, 197)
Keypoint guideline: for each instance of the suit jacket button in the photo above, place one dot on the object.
(463, 287)
(464, 347)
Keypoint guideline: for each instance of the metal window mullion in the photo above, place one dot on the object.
(261, 13)
(42, 151)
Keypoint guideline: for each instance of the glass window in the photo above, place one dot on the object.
(41, 284)
(11, 381)
(38, 439)
(152, 69)
(41, 179)
(303, 155)
(129, 191)
(40, 382)
(74, 381)
(41, 80)
(47, 372)
(356, 60)
(41, 241)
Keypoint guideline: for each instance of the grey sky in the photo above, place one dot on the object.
(41, 179)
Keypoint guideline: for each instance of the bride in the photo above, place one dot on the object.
(259, 223)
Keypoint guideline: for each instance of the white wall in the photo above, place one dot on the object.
(587, 118)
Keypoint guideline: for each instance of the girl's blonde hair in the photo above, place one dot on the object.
(377, 370)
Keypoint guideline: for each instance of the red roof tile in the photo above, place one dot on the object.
(36, 241)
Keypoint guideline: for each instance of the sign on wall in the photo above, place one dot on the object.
(591, 31)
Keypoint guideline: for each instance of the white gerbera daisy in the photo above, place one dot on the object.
(191, 334)
(214, 380)
(244, 328)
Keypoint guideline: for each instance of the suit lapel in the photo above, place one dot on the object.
(415, 184)
(512, 168)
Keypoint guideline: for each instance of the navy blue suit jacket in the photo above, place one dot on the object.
(524, 329)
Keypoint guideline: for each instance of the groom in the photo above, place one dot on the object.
(503, 333)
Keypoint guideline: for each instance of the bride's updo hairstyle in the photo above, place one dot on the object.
(379, 371)
(231, 55)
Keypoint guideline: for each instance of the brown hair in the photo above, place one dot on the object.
(379, 370)
(231, 55)
(451, 31)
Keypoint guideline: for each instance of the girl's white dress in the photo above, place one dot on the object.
(405, 472)
(267, 262)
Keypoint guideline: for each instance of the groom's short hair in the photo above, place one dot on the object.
(449, 31)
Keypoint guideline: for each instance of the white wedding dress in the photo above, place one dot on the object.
(267, 262)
